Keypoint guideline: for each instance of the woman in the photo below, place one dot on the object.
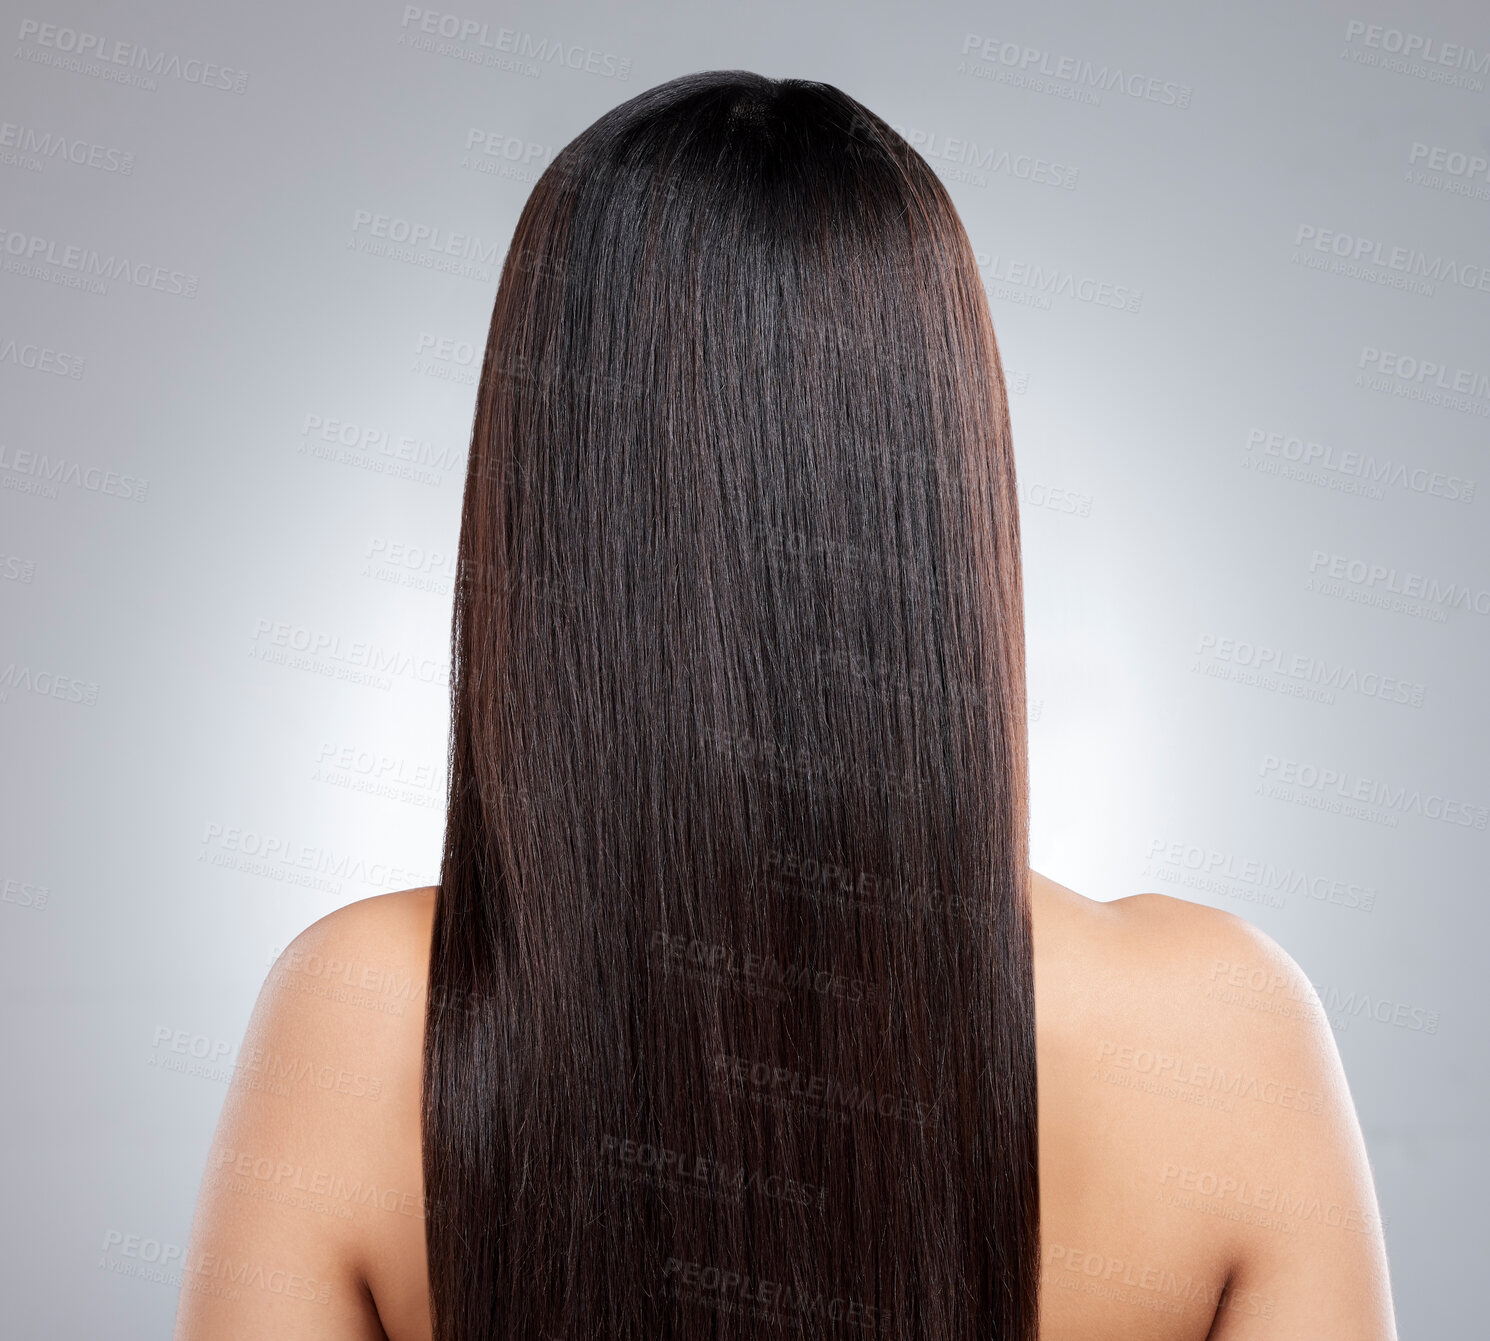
(737, 1009)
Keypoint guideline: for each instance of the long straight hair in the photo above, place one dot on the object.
(731, 1016)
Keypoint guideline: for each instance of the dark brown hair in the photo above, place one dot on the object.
(731, 1024)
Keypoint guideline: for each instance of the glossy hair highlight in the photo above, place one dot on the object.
(731, 1020)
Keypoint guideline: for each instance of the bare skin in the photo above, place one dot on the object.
(1202, 1171)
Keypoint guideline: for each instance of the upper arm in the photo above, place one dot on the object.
(1286, 1165)
(315, 1118)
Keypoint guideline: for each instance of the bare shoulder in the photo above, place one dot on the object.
(314, 1170)
(1197, 974)
(1192, 1077)
(386, 930)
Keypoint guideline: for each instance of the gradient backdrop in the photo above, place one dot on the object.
(1236, 262)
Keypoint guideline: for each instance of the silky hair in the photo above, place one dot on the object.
(731, 1021)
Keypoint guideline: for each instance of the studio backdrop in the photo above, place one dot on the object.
(1238, 261)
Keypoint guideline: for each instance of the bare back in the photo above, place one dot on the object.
(1202, 1171)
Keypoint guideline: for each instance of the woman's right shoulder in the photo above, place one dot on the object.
(1193, 1105)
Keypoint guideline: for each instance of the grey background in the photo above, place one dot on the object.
(179, 800)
